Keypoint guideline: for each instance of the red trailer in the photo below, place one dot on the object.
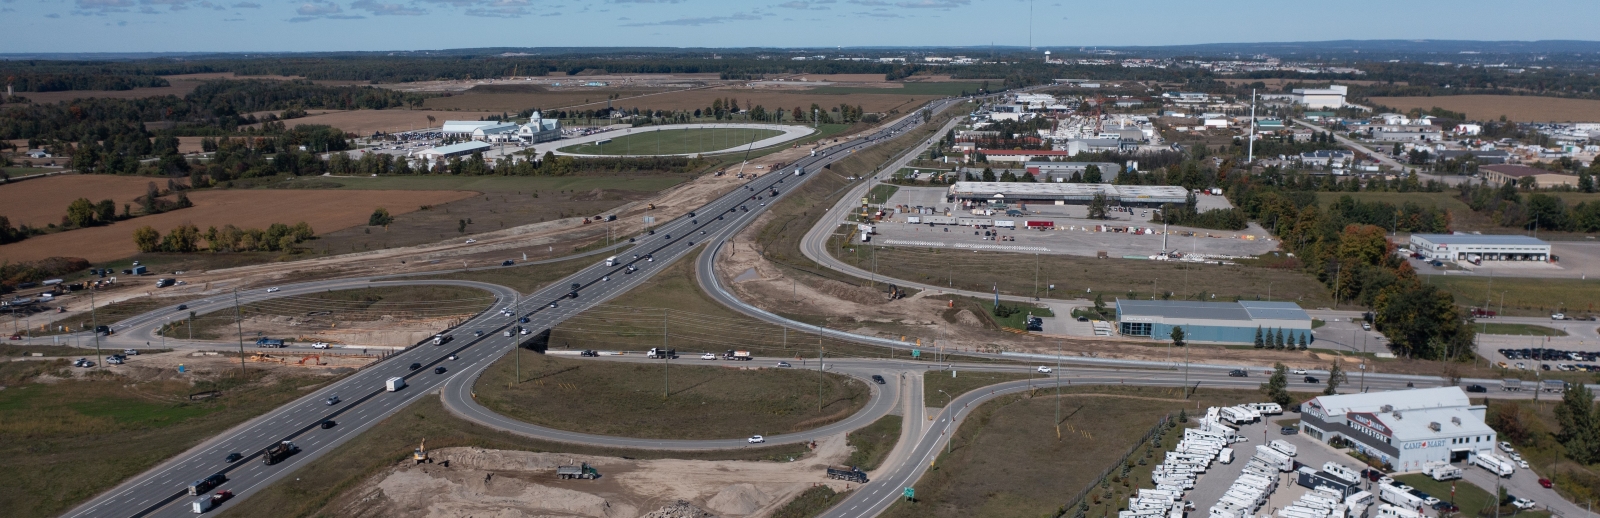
(1040, 224)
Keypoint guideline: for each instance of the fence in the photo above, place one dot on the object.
(1073, 503)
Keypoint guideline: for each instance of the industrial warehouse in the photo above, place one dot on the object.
(1405, 429)
(1476, 248)
(1224, 322)
(1065, 193)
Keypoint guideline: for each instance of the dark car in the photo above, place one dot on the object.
(507, 262)
(182, 307)
(1371, 474)
(1477, 388)
(877, 379)
(576, 285)
(233, 457)
(523, 320)
(1312, 379)
(1238, 373)
(1446, 507)
(439, 370)
(327, 423)
(416, 366)
(1288, 430)
(1295, 408)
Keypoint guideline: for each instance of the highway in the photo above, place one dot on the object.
(160, 491)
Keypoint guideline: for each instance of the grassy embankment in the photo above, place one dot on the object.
(525, 279)
(668, 141)
(69, 440)
(871, 444)
(327, 310)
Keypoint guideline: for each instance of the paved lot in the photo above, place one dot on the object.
(1579, 260)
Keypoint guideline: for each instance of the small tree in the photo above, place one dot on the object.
(1303, 343)
(1183, 416)
(147, 239)
(380, 218)
(1277, 387)
(1335, 378)
(1097, 207)
(1177, 336)
(1100, 304)
(1260, 339)
(1277, 341)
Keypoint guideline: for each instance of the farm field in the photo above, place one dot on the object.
(870, 99)
(1006, 459)
(674, 142)
(42, 201)
(627, 399)
(365, 122)
(326, 211)
(1523, 296)
(1520, 108)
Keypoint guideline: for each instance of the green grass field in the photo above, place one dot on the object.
(1491, 328)
(526, 278)
(1474, 501)
(688, 399)
(874, 442)
(881, 193)
(966, 381)
(1522, 296)
(675, 141)
(69, 440)
(938, 89)
(327, 309)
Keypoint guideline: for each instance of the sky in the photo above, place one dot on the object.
(371, 25)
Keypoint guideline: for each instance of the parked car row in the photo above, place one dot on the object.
(1543, 354)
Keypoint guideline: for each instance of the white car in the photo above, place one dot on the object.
(1297, 371)
(1044, 370)
(1558, 316)
(1523, 503)
(708, 356)
(319, 345)
(1522, 464)
(756, 439)
(272, 290)
(471, 241)
(1505, 446)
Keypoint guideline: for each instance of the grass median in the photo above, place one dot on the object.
(660, 401)
(872, 443)
(525, 279)
(302, 314)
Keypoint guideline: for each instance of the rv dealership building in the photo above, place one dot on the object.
(1405, 428)
(1228, 322)
(1065, 193)
(1457, 247)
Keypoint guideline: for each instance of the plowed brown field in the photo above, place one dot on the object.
(43, 201)
(771, 98)
(1520, 108)
(325, 211)
(364, 122)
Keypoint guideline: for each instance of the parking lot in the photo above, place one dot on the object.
(1073, 232)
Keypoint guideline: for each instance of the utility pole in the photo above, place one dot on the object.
(665, 358)
(1252, 158)
(1035, 276)
(819, 369)
(238, 321)
(94, 321)
(1058, 390)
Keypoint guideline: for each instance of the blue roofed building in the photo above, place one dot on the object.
(1220, 322)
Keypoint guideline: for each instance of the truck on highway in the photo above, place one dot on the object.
(662, 354)
(201, 505)
(277, 452)
(441, 339)
(611, 261)
(199, 487)
(737, 355)
(583, 471)
(269, 342)
(394, 384)
(848, 474)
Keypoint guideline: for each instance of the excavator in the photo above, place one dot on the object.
(421, 454)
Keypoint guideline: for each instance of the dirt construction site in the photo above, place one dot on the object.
(460, 482)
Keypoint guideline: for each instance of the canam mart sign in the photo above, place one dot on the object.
(1417, 445)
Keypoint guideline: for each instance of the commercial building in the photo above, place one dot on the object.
(539, 129)
(1063, 171)
(453, 150)
(1404, 428)
(1226, 322)
(1065, 193)
(1502, 173)
(1460, 247)
(1493, 156)
(466, 127)
(1330, 97)
(1021, 155)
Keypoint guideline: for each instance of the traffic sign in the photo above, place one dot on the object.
(910, 493)
(916, 353)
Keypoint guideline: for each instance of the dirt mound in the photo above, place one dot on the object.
(966, 318)
(595, 195)
(856, 294)
(431, 492)
(681, 509)
(507, 89)
(739, 499)
(502, 460)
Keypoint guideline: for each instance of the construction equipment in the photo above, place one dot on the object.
(583, 471)
(267, 358)
(317, 360)
(851, 474)
(421, 453)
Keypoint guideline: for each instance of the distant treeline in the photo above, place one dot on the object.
(24, 81)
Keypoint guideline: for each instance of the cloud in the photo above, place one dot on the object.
(92, 7)
(233, 19)
(646, 1)
(317, 9)
(52, 15)
(933, 4)
(870, 2)
(805, 5)
(382, 9)
(551, 13)
(696, 22)
(247, 5)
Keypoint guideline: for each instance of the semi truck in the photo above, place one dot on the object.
(277, 452)
(583, 471)
(611, 261)
(394, 384)
(662, 354)
(441, 339)
(199, 487)
(849, 474)
(737, 355)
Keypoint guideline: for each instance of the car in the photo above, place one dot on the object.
(327, 423)
(1238, 373)
(1445, 507)
(1477, 388)
(708, 356)
(576, 286)
(439, 370)
(1371, 474)
(272, 290)
(1288, 430)
(1558, 316)
(522, 320)
(319, 345)
(1505, 447)
(554, 305)
(784, 364)
(471, 241)
(1043, 370)
(416, 366)
(1082, 318)
(507, 262)
(1365, 326)
(1312, 379)
(1297, 371)
(1545, 482)
(756, 439)
(182, 307)
(451, 357)
(878, 379)
(477, 333)
(1404, 487)
(1523, 503)
(130, 352)
(233, 457)
(1522, 463)
(588, 352)
(333, 400)
(1385, 480)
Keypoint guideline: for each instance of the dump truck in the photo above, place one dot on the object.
(736, 355)
(847, 473)
(199, 487)
(277, 452)
(584, 471)
(662, 354)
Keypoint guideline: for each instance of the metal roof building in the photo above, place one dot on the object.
(1228, 322)
(1458, 247)
(1063, 193)
(462, 149)
(1405, 428)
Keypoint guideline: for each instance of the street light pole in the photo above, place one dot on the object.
(238, 321)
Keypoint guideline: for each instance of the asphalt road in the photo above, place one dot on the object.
(161, 490)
